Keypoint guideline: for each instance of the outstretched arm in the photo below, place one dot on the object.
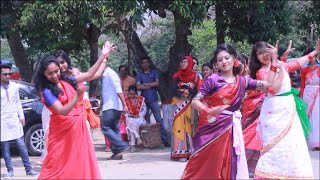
(91, 72)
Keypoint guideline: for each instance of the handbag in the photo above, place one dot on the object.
(93, 119)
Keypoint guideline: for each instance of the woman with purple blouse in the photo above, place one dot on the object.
(218, 143)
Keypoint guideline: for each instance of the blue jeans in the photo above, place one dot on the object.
(155, 109)
(23, 153)
(110, 127)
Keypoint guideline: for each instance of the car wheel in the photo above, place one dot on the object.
(34, 139)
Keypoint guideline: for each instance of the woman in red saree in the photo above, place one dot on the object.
(70, 150)
(250, 110)
(218, 144)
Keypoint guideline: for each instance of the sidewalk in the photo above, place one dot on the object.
(145, 164)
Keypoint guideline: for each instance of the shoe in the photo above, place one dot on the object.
(108, 149)
(139, 142)
(133, 149)
(125, 150)
(182, 159)
(167, 144)
(115, 157)
(32, 173)
(9, 175)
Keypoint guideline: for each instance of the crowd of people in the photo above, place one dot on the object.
(241, 118)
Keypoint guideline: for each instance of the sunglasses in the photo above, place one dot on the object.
(6, 74)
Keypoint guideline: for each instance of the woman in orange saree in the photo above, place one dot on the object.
(70, 150)
(218, 144)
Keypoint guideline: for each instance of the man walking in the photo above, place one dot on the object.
(12, 120)
(147, 82)
(113, 105)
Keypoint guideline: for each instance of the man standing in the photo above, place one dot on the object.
(147, 82)
(113, 105)
(12, 120)
(126, 80)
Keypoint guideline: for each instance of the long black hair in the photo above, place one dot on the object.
(255, 64)
(231, 50)
(63, 55)
(40, 80)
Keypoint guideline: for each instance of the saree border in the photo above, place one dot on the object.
(279, 137)
(263, 175)
(195, 152)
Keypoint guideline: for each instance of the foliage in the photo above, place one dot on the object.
(203, 41)
(256, 20)
(157, 37)
(191, 9)
(60, 24)
(5, 50)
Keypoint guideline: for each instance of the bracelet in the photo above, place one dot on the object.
(273, 68)
(283, 59)
(310, 57)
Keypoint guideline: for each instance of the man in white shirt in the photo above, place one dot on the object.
(12, 122)
(112, 106)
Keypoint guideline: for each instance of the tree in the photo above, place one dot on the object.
(10, 13)
(53, 25)
(251, 21)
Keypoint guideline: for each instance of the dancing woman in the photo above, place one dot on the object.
(218, 144)
(70, 151)
(284, 153)
(310, 90)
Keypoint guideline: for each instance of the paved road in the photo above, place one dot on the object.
(145, 164)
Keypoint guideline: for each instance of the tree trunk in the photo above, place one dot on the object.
(20, 56)
(179, 49)
(91, 35)
(220, 23)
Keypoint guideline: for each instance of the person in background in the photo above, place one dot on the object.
(125, 79)
(147, 82)
(12, 122)
(134, 117)
(310, 82)
(207, 70)
(184, 87)
(113, 104)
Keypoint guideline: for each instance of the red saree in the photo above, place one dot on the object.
(70, 150)
(214, 156)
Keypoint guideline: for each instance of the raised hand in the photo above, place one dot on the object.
(107, 48)
(273, 52)
(287, 52)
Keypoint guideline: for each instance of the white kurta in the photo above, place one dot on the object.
(11, 111)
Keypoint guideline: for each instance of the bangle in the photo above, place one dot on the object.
(310, 57)
(283, 59)
(273, 68)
